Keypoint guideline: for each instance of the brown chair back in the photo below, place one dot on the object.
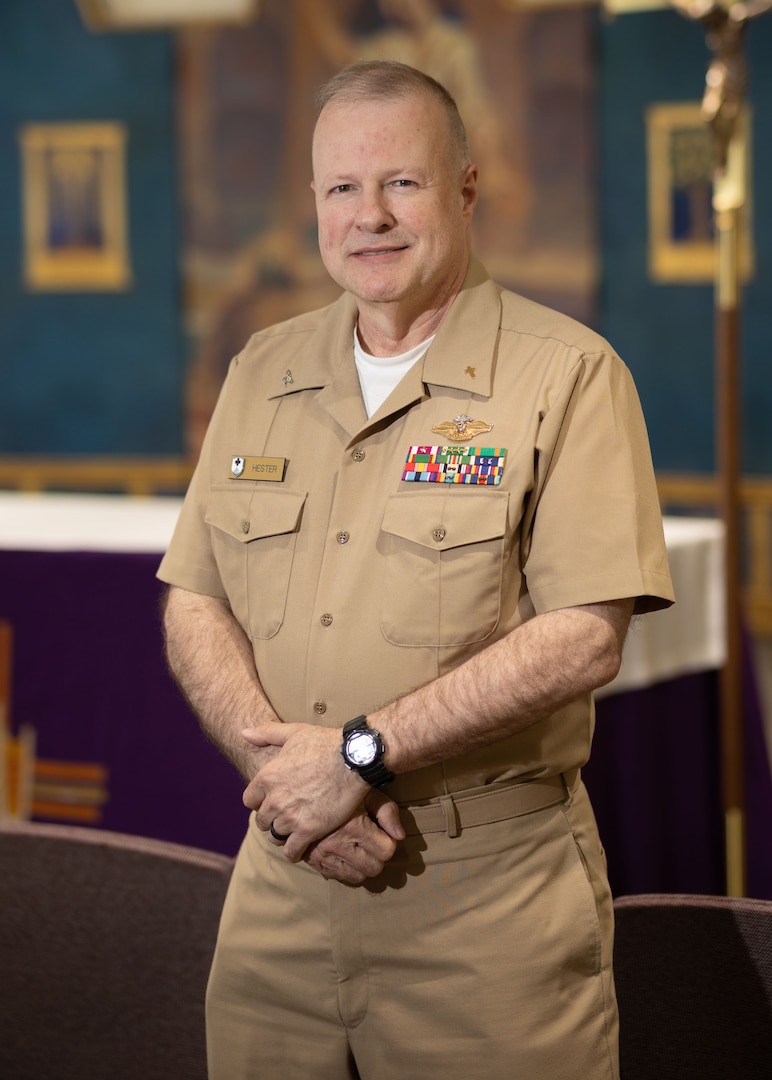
(105, 947)
(694, 984)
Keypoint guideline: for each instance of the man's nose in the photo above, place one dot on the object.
(373, 212)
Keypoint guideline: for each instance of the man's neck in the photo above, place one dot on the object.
(389, 330)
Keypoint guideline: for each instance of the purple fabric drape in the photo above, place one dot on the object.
(90, 677)
(655, 782)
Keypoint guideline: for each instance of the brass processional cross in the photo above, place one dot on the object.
(725, 23)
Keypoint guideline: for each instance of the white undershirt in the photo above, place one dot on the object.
(378, 375)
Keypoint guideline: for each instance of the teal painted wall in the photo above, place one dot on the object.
(665, 332)
(91, 373)
(102, 373)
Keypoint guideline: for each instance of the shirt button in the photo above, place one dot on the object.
(326, 619)
(438, 534)
(320, 708)
(245, 527)
(343, 537)
(359, 454)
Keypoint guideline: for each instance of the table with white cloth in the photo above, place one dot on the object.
(78, 586)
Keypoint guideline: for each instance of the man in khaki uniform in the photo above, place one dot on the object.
(420, 524)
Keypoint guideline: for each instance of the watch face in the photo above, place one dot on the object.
(361, 748)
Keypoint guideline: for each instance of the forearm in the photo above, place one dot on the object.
(211, 659)
(534, 671)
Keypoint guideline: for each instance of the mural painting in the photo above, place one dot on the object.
(523, 80)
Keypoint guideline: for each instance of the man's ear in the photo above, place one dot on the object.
(469, 189)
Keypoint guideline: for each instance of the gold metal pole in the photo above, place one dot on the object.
(728, 199)
(725, 23)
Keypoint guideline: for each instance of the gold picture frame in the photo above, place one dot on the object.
(163, 14)
(75, 221)
(680, 190)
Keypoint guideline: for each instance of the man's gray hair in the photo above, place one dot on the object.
(382, 80)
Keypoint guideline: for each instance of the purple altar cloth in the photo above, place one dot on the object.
(655, 782)
(90, 677)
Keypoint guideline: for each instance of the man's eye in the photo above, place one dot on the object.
(341, 189)
(403, 183)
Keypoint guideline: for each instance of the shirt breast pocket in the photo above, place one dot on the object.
(254, 532)
(444, 558)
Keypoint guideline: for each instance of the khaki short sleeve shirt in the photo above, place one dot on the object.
(356, 578)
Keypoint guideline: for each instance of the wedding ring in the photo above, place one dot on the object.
(279, 836)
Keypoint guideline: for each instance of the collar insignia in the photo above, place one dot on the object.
(287, 378)
(462, 427)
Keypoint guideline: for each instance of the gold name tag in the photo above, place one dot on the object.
(258, 468)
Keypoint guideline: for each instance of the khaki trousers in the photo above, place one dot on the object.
(486, 954)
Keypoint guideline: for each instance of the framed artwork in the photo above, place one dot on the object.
(74, 197)
(680, 196)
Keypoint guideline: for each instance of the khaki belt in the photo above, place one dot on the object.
(452, 813)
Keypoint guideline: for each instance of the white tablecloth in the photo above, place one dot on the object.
(688, 637)
(64, 522)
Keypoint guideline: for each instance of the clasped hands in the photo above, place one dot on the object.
(333, 820)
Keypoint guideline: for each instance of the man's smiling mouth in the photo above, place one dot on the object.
(379, 251)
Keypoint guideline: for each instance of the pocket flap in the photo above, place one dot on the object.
(441, 522)
(254, 513)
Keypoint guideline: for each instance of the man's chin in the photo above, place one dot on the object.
(370, 290)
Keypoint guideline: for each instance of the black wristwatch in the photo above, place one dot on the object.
(363, 751)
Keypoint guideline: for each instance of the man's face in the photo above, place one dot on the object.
(394, 204)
